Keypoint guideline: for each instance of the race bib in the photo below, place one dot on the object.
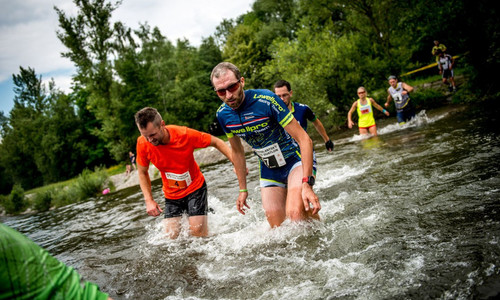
(178, 181)
(271, 156)
(397, 97)
(365, 109)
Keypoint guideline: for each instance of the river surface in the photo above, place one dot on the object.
(412, 214)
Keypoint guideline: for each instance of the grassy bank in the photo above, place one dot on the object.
(88, 184)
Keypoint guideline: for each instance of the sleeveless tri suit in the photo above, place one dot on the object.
(404, 107)
(365, 114)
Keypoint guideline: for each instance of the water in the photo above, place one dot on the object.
(412, 214)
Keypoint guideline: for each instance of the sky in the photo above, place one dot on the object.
(28, 32)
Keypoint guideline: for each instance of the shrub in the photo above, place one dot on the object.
(64, 196)
(43, 200)
(15, 202)
(428, 98)
(89, 184)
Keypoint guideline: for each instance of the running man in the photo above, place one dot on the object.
(364, 107)
(285, 150)
(399, 92)
(301, 112)
(170, 148)
(446, 64)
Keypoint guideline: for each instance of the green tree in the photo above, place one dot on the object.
(63, 151)
(21, 135)
(90, 39)
(248, 41)
(146, 73)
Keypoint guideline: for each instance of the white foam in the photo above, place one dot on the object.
(327, 178)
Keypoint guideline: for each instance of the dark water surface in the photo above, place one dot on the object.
(412, 214)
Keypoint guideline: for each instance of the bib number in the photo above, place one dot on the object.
(398, 98)
(271, 156)
(365, 110)
(178, 181)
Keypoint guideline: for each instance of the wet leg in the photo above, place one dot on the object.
(172, 227)
(295, 209)
(274, 203)
(198, 225)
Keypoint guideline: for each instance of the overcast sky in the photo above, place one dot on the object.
(28, 32)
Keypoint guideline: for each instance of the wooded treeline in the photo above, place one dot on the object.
(325, 48)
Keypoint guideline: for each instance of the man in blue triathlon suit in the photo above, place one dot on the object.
(285, 150)
(301, 112)
(400, 93)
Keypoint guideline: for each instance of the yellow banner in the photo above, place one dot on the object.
(428, 66)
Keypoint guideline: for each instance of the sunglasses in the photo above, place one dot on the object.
(231, 88)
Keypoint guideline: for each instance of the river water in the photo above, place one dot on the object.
(412, 214)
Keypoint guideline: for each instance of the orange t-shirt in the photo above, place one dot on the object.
(180, 173)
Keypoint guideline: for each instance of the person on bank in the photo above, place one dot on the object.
(364, 106)
(170, 148)
(438, 47)
(301, 112)
(446, 64)
(400, 93)
(131, 156)
(29, 272)
(284, 149)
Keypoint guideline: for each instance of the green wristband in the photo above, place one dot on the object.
(243, 191)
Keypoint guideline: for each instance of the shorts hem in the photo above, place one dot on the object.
(367, 127)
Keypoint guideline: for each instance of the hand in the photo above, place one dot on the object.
(241, 203)
(350, 124)
(329, 145)
(308, 196)
(153, 209)
(386, 104)
(386, 113)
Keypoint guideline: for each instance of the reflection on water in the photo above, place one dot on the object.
(413, 213)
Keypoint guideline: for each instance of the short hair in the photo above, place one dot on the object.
(282, 83)
(392, 77)
(147, 115)
(362, 87)
(222, 68)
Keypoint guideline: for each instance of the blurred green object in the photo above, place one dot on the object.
(28, 271)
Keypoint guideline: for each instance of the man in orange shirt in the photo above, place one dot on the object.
(170, 148)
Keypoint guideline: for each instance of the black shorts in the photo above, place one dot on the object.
(194, 204)
(447, 73)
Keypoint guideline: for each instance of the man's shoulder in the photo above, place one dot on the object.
(180, 133)
(222, 107)
(176, 129)
(301, 104)
(142, 145)
(261, 95)
(259, 92)
(141, 140)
